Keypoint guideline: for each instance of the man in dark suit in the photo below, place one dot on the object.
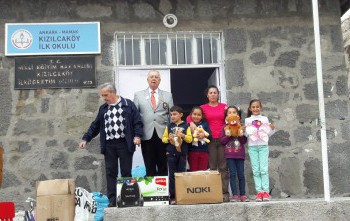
(154, 105)
(120, 127)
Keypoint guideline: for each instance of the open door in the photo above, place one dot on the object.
(130, 81)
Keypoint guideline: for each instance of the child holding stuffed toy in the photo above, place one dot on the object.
(177, 135)
(233, 139)
(198, 154)
(258, 129)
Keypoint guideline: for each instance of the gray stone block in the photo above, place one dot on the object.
(277, 97)
(280, 138)
(71, 144)
(239, 98)
(287, 59)
(313, 176)
(100, 11)
(8, 10)
(311, 90)
(306, 112)
(31, 127)
(336, 38)
(85, 163)
(61, 175)
(10, 179)
(5, 101)
(272, 8)
(107, 49)
(185, 9)
(59, 161)
(256, 38)
(245, 7)
(51, 143)
(274, 45)
(57, 9)
(235, 41)
(286, 79)
(258, 58)
(123, 10)
(144, 11)
(337, 109)
(83, 181)
(342, 85)
(234, 73)
(301, 134)
(23, 146)
(298, 41)
(275, 153)
(91, 102)
(339, 165)
(45, 104)
(289, 176)
(345, 130)
(212, 8)
(308, 70)
(41, 177)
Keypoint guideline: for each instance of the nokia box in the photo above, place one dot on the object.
(198, 187)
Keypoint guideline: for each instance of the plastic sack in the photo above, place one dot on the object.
(102, 203)
(89, 206)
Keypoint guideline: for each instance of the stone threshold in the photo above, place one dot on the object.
(276, 209)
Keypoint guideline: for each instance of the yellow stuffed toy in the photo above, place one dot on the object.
(196, 134)
(233, 126)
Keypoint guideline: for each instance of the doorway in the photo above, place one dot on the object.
(188, 85)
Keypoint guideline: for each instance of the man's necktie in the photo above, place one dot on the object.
(153, 100)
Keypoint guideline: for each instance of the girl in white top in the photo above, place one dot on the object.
(258, 129)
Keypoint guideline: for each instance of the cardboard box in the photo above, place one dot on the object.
(55, 200)
(198, 187)
(142, 191)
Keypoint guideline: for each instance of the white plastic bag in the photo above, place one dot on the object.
(85, 205)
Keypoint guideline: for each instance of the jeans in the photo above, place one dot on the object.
(259, 159)
(176, 163)
(236, 169)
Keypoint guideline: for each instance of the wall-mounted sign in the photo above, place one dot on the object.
(52, 38)
(55, 72)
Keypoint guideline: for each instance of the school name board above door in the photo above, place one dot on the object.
(22, 39)
(55, 72)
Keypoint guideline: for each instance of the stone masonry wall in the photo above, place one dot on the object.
(268, 54)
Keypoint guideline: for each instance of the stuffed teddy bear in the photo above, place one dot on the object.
(196, 138)
(233, 126)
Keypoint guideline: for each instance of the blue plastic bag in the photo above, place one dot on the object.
(102, 203)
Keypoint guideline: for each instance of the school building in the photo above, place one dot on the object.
(250, 49)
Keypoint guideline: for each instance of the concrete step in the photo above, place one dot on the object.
(291, 209)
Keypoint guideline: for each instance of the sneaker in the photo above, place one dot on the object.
(259, 197)
(172, 202)
(244, 198)
(266, 196)
(234, 198)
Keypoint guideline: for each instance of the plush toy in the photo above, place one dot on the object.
(196, 138)
(177, 138)
(258, 130)
(233, 126)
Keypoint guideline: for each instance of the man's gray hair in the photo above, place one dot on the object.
(153, 71)
(109, 86)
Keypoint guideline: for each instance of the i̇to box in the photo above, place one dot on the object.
(142, 191)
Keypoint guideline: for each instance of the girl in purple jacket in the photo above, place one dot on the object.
(235, 156)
